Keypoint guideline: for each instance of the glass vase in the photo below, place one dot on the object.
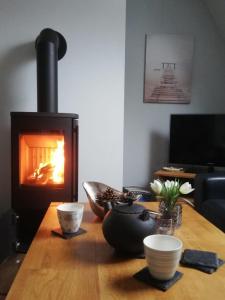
(175, 213)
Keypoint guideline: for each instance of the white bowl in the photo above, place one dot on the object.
(162, 253)
(70, 216)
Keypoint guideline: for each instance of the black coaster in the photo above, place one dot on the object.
(163, 285)
(66, 236)
(205, 269)
(200, 258)
(191, 262)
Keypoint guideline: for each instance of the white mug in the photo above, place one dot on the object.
(70, 216)
(162, 253)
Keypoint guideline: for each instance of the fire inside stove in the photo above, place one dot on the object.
(41, 159)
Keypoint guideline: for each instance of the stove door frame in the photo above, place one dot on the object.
(31, 202)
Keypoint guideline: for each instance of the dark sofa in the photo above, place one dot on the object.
(209, 197)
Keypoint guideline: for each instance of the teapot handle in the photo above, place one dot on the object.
(146, 214)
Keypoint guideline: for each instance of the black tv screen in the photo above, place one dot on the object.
(197, 139)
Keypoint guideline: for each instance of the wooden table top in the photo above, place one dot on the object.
(86, 267)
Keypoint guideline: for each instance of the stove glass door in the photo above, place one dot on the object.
(41, 159)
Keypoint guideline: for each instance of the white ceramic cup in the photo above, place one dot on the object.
(70, 216)
(162, 253)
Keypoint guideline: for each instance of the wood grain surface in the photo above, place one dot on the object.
(175, 174)
(86, 267)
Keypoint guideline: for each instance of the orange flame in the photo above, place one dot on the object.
(57, 161)
(52, 171)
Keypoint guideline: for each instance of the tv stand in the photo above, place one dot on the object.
(189, 173)
(161, 174)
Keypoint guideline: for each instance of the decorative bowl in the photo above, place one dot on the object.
(93, 189)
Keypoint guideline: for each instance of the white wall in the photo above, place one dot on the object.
(91, 79)
(146, 132)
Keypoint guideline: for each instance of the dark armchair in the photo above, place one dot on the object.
(210, 197)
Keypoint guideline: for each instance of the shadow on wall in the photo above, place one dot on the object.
(12, 85)
(159, 151)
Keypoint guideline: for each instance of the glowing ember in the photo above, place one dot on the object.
(51, 172)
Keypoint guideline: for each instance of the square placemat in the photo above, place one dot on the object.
(163, 285)
(204, 261)
(200, 258)
(206, 269)
(66, 236)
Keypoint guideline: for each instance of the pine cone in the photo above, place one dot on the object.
(109, 195)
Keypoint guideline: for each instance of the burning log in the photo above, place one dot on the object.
(43, 174)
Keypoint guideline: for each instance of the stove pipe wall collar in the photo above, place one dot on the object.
(50, 47)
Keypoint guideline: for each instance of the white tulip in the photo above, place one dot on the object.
(168, 184)
(156, 186)
(186, 188)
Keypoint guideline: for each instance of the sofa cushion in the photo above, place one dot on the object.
(214, 188)
(214, 211)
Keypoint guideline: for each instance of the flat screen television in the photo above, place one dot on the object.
(197, 139)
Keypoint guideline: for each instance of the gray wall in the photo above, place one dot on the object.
(146, 129)
(217, 9)
(91, 79)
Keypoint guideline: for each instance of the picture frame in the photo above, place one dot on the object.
(168, 68)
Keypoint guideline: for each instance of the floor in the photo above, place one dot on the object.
(8, 270)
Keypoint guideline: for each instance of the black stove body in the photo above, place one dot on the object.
(44, 146)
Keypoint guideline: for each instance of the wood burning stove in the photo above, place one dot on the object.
(44, 146)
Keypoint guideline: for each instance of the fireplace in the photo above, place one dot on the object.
(44, 146)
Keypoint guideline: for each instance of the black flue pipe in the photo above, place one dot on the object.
(50, 47)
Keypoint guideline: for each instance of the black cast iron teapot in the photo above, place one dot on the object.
(126, 225)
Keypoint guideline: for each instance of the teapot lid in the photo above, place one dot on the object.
(129, 208)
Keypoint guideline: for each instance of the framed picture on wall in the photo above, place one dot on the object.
(168, 67)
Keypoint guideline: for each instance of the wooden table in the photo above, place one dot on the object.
(85, 267)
